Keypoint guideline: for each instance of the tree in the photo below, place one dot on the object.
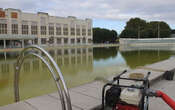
(133, 28)
(139, 28)
(104, 53)
(101, 35)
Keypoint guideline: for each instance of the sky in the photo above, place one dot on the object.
(111, 14)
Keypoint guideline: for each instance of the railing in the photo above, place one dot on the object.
(53, 68)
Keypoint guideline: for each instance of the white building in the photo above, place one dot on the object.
(18, 29)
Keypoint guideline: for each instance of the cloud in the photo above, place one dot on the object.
(121, 10)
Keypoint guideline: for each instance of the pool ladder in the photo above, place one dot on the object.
(53, 68)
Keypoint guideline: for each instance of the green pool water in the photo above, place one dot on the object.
(78, 65)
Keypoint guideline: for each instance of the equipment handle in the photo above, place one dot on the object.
(118, 76)
(147, 76)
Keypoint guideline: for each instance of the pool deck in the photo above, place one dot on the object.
(88, 96)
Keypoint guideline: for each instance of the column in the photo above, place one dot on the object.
(69, 41)
(39, 41)
(75, 41)
(69, 31)
(29, 26)
(86, 41)
(75, 35)
(62, 41)
(4, 44)
(23, 43)
(5, 55)
(81, 40)
(19, 28)
(55, 41)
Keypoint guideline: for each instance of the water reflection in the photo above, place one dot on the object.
(104, 53)
(34, 77)
(78, 65)
(143, 57)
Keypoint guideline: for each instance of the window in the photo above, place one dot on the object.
(2, 14)
(3, 28)
(58, 29)
(65, 29)
(72, 29)
(78, 30)
(14, 28)
(83, 30)
(36, 41)
(89, 30)
(84, 40)
(25, 29)
(34, 28)
(89, 40)
(43, 26)
(51, 29)
(58, 40)
(43, 40)
(72, 41)
(51, 40)
(43, 30)
(65, 40)
(78, 40)
(14, 15)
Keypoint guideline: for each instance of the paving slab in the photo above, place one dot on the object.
(164, 65)
(91, 89)
(81, 101)
(18, 106)
(47, 103)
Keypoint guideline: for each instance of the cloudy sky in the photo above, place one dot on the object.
(111, 14)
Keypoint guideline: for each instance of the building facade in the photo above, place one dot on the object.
(18, 29)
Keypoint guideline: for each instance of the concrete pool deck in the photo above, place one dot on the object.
(88, 96)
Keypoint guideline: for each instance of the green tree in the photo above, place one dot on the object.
(133, 28)
(138, 28)
(101, 35)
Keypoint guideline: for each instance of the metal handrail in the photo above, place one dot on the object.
(61, 79)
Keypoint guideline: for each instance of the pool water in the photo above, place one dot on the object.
(78, 65)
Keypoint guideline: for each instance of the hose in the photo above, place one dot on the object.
(166, 99)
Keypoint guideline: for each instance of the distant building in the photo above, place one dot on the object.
(18, 29)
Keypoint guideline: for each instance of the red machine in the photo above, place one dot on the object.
(113, 96)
